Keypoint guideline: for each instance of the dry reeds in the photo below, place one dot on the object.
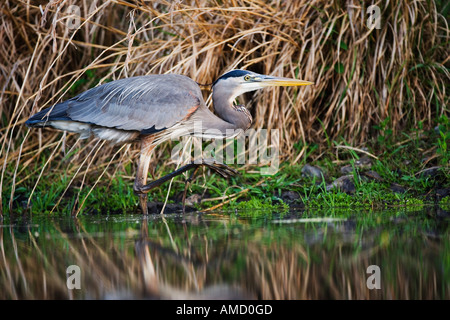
(49, 53)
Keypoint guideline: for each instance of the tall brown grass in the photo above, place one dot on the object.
(361, 76)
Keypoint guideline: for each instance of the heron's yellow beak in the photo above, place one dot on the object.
(283, 82)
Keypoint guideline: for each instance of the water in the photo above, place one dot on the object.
(300, 255)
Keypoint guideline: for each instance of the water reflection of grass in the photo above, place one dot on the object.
(211, 256)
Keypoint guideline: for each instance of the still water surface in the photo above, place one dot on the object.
(300, 255)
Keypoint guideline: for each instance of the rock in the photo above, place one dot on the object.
(442, 213)
(429, 172)
(155, 207)
(312, 171)
(442, 193)
(397, 188)
(347, 169)
(292, 199)
(344, 183)
(193, 199)
(364, 162)
(373, 175)
(289, 196)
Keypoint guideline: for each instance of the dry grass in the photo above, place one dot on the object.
(362, 76)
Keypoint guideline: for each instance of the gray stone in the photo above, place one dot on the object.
(312, 171)
(373, 175)
(344, 183)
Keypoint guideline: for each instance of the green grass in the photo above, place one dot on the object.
(257, 207)
(400, 161)
(445, 203)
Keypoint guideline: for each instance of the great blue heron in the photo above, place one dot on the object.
(156, 108)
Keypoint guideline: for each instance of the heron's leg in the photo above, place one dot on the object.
(156, 183)
(222, 169)
(142, 171)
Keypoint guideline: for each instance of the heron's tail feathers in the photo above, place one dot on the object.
(43, 117)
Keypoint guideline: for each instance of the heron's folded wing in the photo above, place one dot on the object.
(142, 103)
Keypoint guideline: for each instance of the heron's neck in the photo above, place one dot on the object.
(238, 116)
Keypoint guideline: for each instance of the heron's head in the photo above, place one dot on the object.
(237, 82)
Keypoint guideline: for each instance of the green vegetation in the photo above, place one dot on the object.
(409, 172)
(255, 207)
(445, 203)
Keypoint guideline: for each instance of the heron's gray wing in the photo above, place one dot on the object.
(145, 103)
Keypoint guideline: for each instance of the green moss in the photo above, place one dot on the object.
(256, 207)
(445, 203)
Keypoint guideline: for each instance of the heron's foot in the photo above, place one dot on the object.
(222, 169)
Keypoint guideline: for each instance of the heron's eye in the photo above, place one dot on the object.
(247, 78)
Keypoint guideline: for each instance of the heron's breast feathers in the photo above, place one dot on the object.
(244, 110)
